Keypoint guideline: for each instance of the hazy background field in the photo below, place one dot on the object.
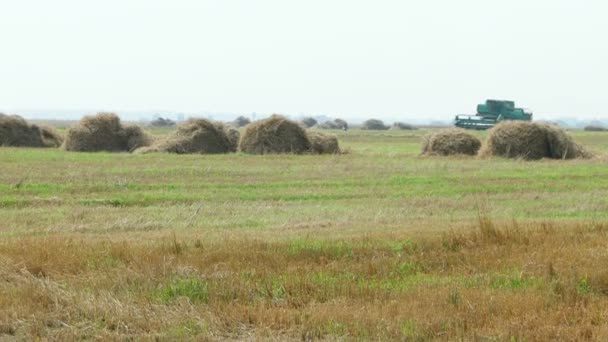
(375, 243)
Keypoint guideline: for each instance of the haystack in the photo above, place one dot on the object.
(374, 124)
(531, 141)
(198, 136)
(15, 131)
(104, 132)
(323, 143)
(275, 134)
(450, 141)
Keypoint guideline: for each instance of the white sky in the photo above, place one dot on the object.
(350, 58)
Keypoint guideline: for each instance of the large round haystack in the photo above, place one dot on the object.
(104, 132)
(275, 134)
(531, 141)
(402, 126)
(374, 124)
(198, 136)
(323, 143)
(15, 131)
(450, 141)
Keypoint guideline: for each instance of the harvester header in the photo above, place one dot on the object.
(490, 113)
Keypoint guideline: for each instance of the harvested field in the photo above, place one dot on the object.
(376, 244)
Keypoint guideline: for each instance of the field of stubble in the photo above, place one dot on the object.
(378, 243)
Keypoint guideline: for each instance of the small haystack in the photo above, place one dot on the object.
(198, 136)
(275, 134)
(15, 131)
(402, 126)
(451, 141)
(531, 141)
(323, 143)
(104, 132)
(374, 124)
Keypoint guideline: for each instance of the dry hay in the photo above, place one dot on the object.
(104, 132)
(323, 143)
(15, 131)
(402, 126)
(595, 128)
(531, 141)
(374, 124)
(275, 134)
(450, 141)
(198, 136)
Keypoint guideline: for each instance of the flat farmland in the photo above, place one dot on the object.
(374, 244)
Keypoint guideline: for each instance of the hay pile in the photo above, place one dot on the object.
(595, 128)
(402, 126)
(450, 141)
(531, 141)
(374, 124)
(15, 131)
(104, 132)
(275, 134)
(323, 143)
(198, 136)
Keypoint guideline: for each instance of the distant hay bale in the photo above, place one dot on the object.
(15, 131)
(197, 136)
(450, 141)
(309, 122)
(531, 141)
(323, 143)
(374, 124)
(241, 121)
(595, 128)
(275, 134)
(402, 126)
(104, 132)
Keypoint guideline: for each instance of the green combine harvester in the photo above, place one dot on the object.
(491, 113)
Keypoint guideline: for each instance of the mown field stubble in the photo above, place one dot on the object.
(378, 243)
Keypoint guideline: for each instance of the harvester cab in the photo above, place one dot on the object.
(490, 113)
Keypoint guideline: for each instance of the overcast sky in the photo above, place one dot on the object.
(382, 58)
